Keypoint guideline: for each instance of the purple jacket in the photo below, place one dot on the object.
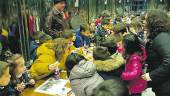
(133, 72)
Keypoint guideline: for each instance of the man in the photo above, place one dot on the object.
(55, 24)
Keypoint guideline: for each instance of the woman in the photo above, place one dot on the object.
(159, 45)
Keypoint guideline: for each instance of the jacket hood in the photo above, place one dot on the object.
(84, 69)
(45, 49)
(110, 64)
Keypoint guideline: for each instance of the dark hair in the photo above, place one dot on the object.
(115, 87)
(157, 22)
(101, 53)
(58, 1)
(131, 43)
(3, 67)
(111, 44)
(72, 60)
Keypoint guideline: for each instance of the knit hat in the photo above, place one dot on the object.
(101, 53)
(58, 1)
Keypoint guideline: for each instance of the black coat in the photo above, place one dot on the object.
(159, 63)
(55, 24)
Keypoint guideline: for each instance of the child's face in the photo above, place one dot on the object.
(5, 79)
(20, 65)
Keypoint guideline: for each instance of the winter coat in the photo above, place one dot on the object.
(45, 57)
(55, 24)
(133, 72)
(84, 78)
(160, 71)
(111, 67)
(80, 41)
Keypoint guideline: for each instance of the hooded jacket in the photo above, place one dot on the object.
(133, 72)
(84, 78)
(45, 57)
(111, 67)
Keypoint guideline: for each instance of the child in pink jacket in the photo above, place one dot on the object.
(135, 56)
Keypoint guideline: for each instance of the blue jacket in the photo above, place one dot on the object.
(33, 49)
(79, 42)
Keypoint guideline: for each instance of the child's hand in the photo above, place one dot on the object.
(53, 67)
(20, 87)
(32, 81)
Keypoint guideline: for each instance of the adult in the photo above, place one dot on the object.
(159, 52)
(55, 23)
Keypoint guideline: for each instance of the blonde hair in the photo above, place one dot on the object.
(14, 58)
(60, 45)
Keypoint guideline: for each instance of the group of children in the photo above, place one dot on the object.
(111, 51)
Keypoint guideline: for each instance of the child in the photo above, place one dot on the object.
(19, 77)
(49, 56)
(107, 65)
(38, 38)
(82, 37)
(100, 32)
(5, 79)
(135, 55)
(115, 87)
(82, 75)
